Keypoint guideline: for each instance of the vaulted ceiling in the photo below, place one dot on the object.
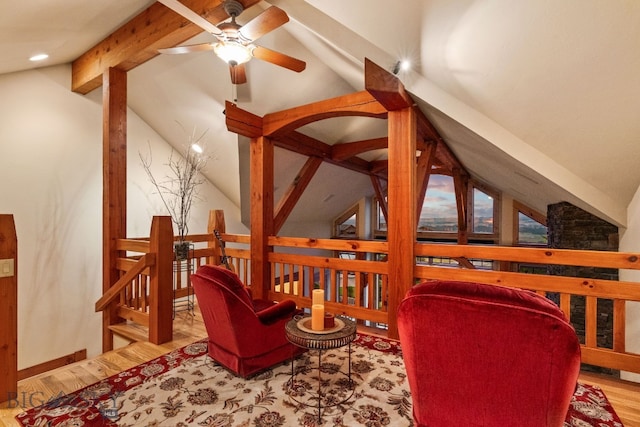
(537, 98)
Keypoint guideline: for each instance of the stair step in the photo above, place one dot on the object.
(131, 331)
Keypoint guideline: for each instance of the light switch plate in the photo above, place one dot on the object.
(6, 267)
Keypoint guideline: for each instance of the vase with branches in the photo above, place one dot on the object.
(179, 188)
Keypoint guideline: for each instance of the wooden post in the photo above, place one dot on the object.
(8, 308)
(262, 224)
(401, 224)
(461, 184)
(161, 281)
(114, 195)
(402, 189)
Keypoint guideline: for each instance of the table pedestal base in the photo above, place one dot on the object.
(323, 396)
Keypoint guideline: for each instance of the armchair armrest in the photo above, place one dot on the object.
(276, 312)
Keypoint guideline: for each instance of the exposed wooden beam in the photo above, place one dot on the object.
(303, 144)
(346, 150)
(461, 184)
(261, 196)
(401, 224)
(138, 40)
(353, 104)
(308, 146)
(241, 121)
(426, 130)
(114, 184)
(247, 124)
(385, 87)
(295, 190)
(448, 159)
(380, 167)
(423, 172)
(382, 200)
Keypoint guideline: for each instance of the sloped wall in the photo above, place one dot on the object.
(51, 181)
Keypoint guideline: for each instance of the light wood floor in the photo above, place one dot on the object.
(624, 396)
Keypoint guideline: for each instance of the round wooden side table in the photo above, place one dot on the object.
(339, 336)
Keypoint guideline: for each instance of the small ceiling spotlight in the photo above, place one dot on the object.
(39, 57)
(403, 65)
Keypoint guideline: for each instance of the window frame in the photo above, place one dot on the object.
(448, 237)
(521, 208)
(354, 210)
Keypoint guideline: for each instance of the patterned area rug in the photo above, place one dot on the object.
(186, 388)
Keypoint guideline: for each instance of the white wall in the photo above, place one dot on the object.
(51, 181)
(630, 242)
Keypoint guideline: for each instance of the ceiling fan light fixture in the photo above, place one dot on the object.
(232, 52)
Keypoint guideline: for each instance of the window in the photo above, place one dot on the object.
(380, 223)
(346, 225)
(439, 215)
(482, 212)
(439, 211)
(530, 226)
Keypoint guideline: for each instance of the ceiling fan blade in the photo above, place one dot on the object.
(278, 58)
(188, 48)
(267, 21)
(183, 10)
(238, 74)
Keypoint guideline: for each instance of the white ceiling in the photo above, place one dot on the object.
(539, 98)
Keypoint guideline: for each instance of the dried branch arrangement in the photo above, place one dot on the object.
(179, 189)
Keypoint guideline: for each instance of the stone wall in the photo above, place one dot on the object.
(570, 227)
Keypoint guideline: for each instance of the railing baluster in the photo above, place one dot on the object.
(565, 305)
(591, 322)
(619, 325)
(357, 295)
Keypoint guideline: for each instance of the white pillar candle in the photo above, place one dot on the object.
(317, 296)
(317, 317)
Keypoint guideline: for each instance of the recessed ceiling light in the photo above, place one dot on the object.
(39, 57)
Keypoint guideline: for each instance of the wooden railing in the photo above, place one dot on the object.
(354, 277)
(562, 288)
(145, 291)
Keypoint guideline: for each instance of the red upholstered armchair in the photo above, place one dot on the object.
(484, 355)
(246, 336)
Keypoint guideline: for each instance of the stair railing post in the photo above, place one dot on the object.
(8, 309)
(161, 281)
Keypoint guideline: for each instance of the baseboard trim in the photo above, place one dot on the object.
(52, 364)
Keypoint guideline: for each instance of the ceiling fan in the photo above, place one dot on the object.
(234, 43)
